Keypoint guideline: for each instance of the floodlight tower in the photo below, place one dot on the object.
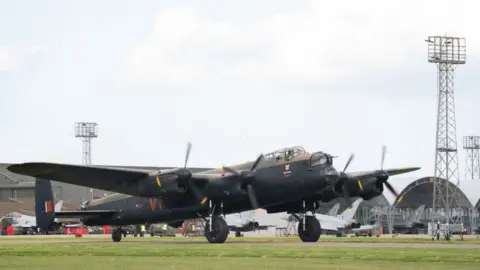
(446, 52)
(471, 144)
(87, 131)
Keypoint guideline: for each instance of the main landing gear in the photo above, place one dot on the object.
(216, 228)
(309, 229)
(117, 234)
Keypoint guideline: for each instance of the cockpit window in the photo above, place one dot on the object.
(84, 205)
(319, 159)
(284, 153)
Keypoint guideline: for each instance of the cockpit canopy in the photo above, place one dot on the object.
(320, 159)
(84, 205)
(284, 153)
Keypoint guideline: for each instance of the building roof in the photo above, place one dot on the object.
(420, 192)
(20, 185)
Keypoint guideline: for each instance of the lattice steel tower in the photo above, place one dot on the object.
(471, 144)
(446, 52)
(87, 131)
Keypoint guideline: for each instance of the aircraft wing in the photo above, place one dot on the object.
(391, 172)
(327, 225)
(364, 227)
(111, 179)
(265, 227)
(234, 227)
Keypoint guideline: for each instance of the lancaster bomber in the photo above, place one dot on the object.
(286, 180)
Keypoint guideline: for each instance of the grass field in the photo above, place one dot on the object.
(148, 253)
(328, 239)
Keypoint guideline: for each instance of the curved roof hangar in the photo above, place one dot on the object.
(420, 192)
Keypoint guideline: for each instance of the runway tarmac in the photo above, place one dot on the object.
(246, 243)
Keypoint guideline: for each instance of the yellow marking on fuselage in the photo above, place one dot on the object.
(204, 200)
(360, 185)
(158, 182)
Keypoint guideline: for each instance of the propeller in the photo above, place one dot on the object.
(247, 178)
(187, 174)
(343, 178)
(382, 175)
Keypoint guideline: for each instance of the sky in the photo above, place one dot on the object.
(236, 78)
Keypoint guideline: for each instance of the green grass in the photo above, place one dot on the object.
(329, 239)
(140, 254)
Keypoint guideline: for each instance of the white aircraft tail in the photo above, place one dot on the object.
(58, 206)
(417, 215)
(349, 213)
(334, 210)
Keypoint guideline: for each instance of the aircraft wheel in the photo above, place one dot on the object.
(117, 235)
(237, 234)
(219, 232)
(312, 229)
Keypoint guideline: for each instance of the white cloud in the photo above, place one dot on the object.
(329, 40)
(12, 58)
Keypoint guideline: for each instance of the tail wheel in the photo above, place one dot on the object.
(116, 235)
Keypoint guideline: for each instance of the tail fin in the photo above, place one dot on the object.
(334, 210)
(58, 206)
(417, 215)
(44, 209)
(349, 213)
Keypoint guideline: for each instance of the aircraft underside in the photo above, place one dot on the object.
(217, 230)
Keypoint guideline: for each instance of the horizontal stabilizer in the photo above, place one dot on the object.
(84, 213)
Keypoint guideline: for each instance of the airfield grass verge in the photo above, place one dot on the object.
(231, 238)
(141, 256)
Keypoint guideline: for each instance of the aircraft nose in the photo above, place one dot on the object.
(331, 175)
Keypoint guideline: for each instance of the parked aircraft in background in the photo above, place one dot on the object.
(334, 210)
(411, 224)
(28, 222)
(244, 222)
(338, 224)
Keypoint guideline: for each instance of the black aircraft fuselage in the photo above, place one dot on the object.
(281, 182)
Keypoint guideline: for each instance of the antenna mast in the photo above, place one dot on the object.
(446, 52)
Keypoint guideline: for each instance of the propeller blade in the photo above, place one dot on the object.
(384, 150)
(390, 187)
(230, 170)
(252, 197)
(254, 166)
(348, 162)
(187, 155)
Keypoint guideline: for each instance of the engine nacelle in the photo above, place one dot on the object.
(366, 189)
(168, 183)
(355, 225)
(329, 193)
